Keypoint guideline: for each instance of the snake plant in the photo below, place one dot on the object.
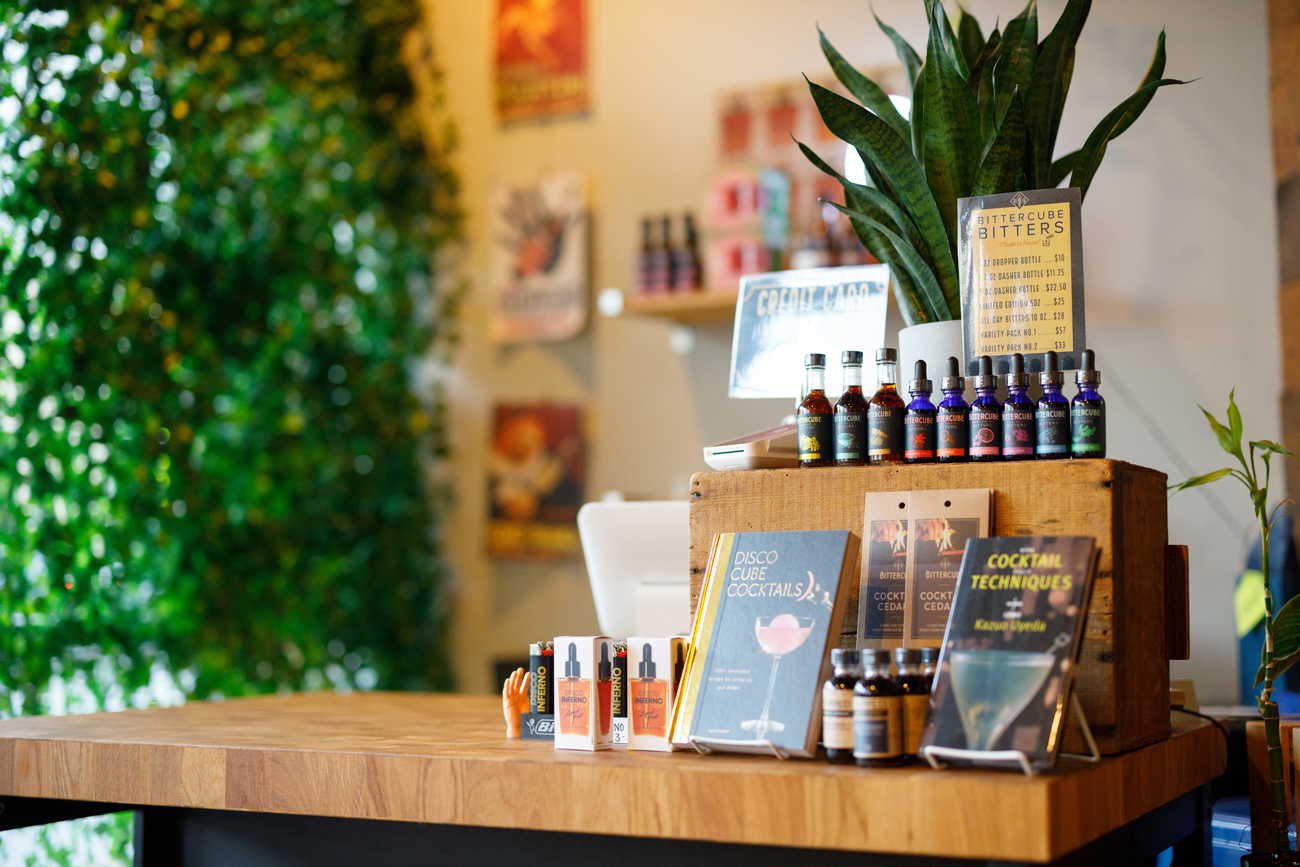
(984, 119)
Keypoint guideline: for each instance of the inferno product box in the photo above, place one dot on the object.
(584, 684)
(654, 666)
(619, 693)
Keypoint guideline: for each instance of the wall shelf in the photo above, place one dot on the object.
(711, 306)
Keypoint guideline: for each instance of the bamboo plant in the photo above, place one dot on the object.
(1281, 630)
(984, 119)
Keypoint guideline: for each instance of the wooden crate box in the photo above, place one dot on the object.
(1123, 679)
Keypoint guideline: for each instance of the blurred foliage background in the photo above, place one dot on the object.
(221, 331)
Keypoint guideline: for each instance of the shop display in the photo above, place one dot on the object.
(654, 685)
(584, 693)
(769, 613)
(837, 705)
(1052, 416)
(850, 420)
(919, 421)
(1018, 434)
(877, 714)
(916, 698)
(954, 417)
(885, 412)
(815, 416)
(1011, 648)
(1088, 412)
(986, 416)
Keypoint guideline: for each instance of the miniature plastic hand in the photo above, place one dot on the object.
(514, 700)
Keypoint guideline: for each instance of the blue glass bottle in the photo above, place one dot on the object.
(1018, 435)
(986, 416)
(954, 417)
(919, 422)
(1088, 412)
(1053, 414)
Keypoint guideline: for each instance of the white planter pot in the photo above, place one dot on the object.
(933, 343)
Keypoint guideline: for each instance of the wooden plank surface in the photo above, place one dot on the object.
(443, 758)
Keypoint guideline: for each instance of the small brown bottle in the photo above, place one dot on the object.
(851, 415)
(877, 714)
(929, 665)
(814, 419)
(837, 706)
(916, 698)
(885, 412)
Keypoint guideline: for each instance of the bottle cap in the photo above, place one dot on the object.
(850, 356)
(930, 654)
(954, 379)
(814, 359)
(875, 657)
(1050, 375)
(1088, 372)
(986, 379)
(647, 666)
(920, 383)
(549, 648)
(886, 353)
(845, 657)
(573, 668)
(606, 667)
(907, 655)
(1017, 378)
(534, 650)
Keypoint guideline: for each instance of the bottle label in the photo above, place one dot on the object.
(884, 431)
(850, 435)
(1018, 437)
(1088, 430)
(916, 709)
(954, 432)
(985, 432)
(837, 718)
(918, 435)
(1053, 429)
(814, 437)
(877, 726)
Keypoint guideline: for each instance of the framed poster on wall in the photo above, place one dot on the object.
(541, 59)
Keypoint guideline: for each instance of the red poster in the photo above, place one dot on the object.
(541, 59)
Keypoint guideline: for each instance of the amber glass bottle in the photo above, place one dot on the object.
(815, 415)
(851, 415)
(885, 412)
(916, 698)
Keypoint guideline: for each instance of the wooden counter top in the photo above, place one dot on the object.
(443, 759)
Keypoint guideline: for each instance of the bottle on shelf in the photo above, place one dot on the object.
(919, 422)
(645, 259)
(986, 416)
(1018, 436)
(885, 412)
(916, 698)
(929, 665)
(1088, 412)
(1053, 414)
(659, 262)
(837, 706)
(686, 259)
(813, 418)
(954, 417)
(877, 714)
(850, 421)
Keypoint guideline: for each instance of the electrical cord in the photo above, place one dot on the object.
(1220, 726)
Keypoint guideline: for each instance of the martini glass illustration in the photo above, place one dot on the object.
(992, 687)
(778, 636)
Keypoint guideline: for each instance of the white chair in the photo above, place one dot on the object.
(638, 562)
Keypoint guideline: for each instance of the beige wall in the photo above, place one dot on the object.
(1181, 265)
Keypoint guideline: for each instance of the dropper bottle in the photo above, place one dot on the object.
(954, 417)
(986, 416)
(919, 422)
(1018, 435)
(1053, 413)
(1088, 412)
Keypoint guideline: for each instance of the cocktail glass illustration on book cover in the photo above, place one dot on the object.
(777, 636)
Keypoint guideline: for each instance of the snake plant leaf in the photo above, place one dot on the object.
(905, 292)
(951, 127)
(931, 297)
(906, 53)
(987, 96)
(875, 242)
(867, 91)
(889, 154)
(1154, 72)
(976, 78)
(1004, 154)
(917, 116)
(1017, 51)
(970, 41)
(1094, 148)
(1061, 169)
(948, 39)
(1045, 95)
(878, 205)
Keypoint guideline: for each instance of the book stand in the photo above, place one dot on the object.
(999, 758)
(704, 746)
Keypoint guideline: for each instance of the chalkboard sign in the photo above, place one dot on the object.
(782, 316)
(1022, 278)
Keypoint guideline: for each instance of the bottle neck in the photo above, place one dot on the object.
(1051, 388)
(987, 392)
(1088, 391)
(887, 373)
(872, 669)
(906, 669)
(816, 380)
(842, 670)
(852, 376)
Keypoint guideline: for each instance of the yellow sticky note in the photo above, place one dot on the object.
(1249, 601)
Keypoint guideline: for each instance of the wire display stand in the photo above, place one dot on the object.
(705, 746)
(1002, 758)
